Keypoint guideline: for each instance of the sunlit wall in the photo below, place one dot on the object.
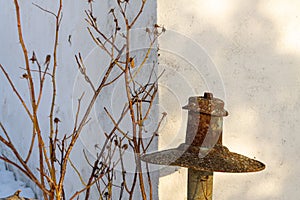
(255, 48)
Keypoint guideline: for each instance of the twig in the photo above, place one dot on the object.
(116, 125)
(85, 117)
(82, 70)
(55, 187)
(93, 24)
(139, 13)
(26, 169)
(31, 145)
(16, 92)
(39, 71)
(45, 10)
(78, 173)
(42, 151)
(155, 132)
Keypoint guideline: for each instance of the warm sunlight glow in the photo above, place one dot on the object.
(286, 19)
(173, 185)
(216, 7)
(291, 38)
(217, 12)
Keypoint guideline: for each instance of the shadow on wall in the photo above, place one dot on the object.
(255, 45)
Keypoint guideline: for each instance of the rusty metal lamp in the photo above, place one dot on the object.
(203, 152)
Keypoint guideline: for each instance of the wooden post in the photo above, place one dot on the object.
(203, 130)
(200, 185)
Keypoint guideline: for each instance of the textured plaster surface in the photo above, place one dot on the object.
(255, 47)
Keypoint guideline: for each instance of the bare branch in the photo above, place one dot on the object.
(16, 92)
(45, 10)
(139, 13)
(25, 169)
(39, 71)
(155, 133)
(85, 117)
(93, 24)
(116, 125)
(82, 70)
(31, 145)
(78, 173)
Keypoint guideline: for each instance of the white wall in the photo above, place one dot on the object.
(38, 29)
(255, 46)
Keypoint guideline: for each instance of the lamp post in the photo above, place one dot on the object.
(203, 152)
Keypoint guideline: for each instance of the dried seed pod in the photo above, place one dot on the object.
(125, 146)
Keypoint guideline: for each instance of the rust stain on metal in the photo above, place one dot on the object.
(203, 149)
(218, 159)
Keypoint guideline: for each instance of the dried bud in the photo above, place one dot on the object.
(25, 76)
(92, 16)
(116, 142)
(111, 10)
(47, 60)
(33, 58)
(56, 120)
(125, 146)
(132, 64)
